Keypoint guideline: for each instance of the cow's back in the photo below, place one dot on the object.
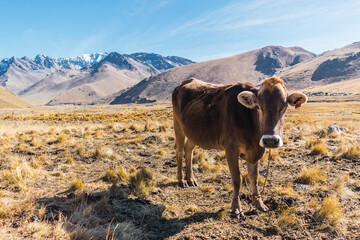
(207, 113)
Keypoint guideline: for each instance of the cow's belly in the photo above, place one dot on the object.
(203, 128)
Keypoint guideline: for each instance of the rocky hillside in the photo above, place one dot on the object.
(251, 67)
(329, 67)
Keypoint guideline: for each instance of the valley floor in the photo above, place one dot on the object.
(109, 172)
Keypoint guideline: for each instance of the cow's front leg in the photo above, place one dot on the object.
(232, 157)
(253, 171)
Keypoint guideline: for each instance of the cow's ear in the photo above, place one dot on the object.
(248, 99)
(296, 99)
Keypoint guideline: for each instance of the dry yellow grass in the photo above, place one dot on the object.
(339, 184)
(329, 212)
(288, 219)
(352, 152)
(311, 175)
(143, 182)
(46, 169)
(76, 185)
(287, 191)
(318, 148)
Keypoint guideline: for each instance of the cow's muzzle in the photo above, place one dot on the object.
(271, 141)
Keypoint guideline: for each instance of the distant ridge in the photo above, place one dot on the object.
(251, 67)
(101, 76)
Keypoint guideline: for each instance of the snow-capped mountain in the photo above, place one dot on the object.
(90, 84)
(159, 62)
(17, 74)
(81, 61)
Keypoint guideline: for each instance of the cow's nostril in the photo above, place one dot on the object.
(271, 141)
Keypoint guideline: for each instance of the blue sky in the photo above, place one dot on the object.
(198, 30)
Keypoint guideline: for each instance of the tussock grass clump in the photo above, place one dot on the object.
(309, 144)
(288, 219)
(76, 185)
(318, 149)
(329, 212)
(80, 149)
(116, 176)
(18, 174)
(142, 183)
(352, 152)
(287, 191)
(311, 175)
(110, 176)
(103, 152)
(227, 188)
(134, 127)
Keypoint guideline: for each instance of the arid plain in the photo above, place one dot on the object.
(109, 172)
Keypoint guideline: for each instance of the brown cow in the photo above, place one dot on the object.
(241, 119)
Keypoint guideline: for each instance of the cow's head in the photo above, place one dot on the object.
(271, 102)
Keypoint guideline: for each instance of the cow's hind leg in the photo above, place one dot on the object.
(189, 147)
(232, 157)
(253, 170)
(179, 143)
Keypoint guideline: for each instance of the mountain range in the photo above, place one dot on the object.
(114, 78)
(85, 79)
(297, 67)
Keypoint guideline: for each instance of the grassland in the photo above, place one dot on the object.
(109, 172)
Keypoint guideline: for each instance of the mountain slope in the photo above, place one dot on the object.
(251, 67)
(331, 66)
(9, 100)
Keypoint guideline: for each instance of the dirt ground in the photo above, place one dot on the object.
(109, 172)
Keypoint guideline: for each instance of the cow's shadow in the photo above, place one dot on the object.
(117, 206)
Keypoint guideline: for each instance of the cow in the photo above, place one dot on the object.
(241, 119)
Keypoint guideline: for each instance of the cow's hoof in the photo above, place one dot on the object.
(258, 203)
(261, 206)
(238, 214)
(192, 183)
(183, 184)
